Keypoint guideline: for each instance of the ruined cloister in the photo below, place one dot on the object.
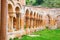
(24, 19)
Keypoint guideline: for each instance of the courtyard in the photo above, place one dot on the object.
(43, 35)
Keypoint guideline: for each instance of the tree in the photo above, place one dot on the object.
(44, 3)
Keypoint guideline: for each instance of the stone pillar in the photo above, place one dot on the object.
(58, 21)
(22, 24)
(38, 23)
(22, 21)
(34, 23)
(27, 24)
(10, 24)
(31, 24)
(4, 12)
(43, 23)
(52, 23)
(17, 21)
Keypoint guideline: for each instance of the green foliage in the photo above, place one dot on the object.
(16, 38)
(30, 2)
(10, 39)
(44, 3)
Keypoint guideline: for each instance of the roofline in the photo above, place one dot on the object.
(40, 7)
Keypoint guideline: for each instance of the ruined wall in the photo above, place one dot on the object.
(31, 17)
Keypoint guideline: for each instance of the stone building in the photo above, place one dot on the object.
(24, 19)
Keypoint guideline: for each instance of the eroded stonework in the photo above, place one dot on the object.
(27, 19)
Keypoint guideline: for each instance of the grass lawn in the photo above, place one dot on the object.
(44, 35)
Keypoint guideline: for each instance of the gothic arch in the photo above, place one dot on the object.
(58, 21)
(11, 4)
(10, 8)
(27, 13)
(34, 21)
(31, 14)
(17, 10)
(19, 5)
(17, 19)
(10, 18)
(48, 19)
(34, 14)
(31, 19)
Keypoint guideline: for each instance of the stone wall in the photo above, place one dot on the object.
(27, 19)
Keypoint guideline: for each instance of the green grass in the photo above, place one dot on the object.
(44, 35)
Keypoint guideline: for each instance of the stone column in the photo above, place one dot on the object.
(58, 21)
(38, 23)
(27, 17)
(43, 23)
(34, 23)
(22, 21)
(27, 25)
(10, 24)
(22, 24)
(17, 21)
(31, 24)
(4, 12)
(27, 22)
(52, 23)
